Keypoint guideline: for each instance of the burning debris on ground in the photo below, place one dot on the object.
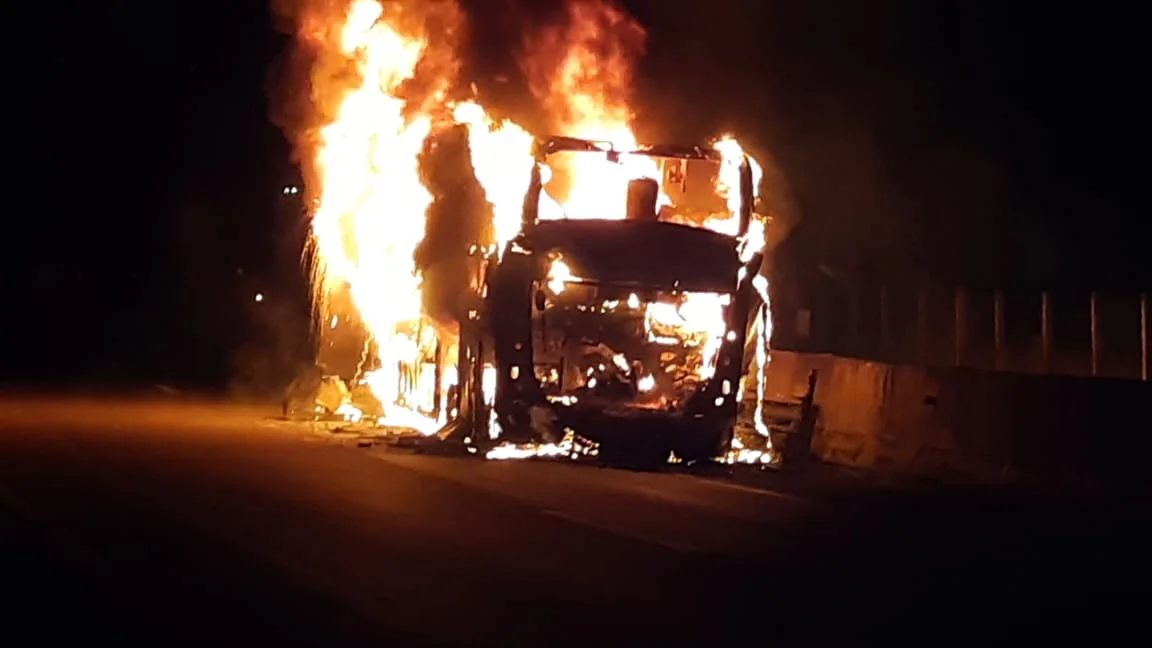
(583, 296)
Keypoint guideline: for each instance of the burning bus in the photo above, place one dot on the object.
(610, 285)
(629, 334)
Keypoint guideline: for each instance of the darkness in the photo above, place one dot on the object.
(964, 141)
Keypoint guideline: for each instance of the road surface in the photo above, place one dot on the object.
(172, 524)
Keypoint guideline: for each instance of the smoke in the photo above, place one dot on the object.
(304, 65)
(442, 24)
(776, 203)
(458, 218)
(583, 63)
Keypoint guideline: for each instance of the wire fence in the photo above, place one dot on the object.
(1066, 333)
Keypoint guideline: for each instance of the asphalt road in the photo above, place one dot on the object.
(171, 524)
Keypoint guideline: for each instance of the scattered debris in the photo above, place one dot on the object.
(572, 446)
(361, 398)
(332, 396)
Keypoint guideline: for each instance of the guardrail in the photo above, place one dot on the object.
(1047, 332)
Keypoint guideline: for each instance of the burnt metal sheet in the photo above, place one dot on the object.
(652, 254)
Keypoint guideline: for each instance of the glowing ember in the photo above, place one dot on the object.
(570, 447)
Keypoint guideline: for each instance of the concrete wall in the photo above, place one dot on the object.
(933, 420)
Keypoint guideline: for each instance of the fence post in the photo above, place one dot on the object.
(1144, 336)
(853, 319)
(998, 330)
(1094, 323)
(438, 378)
(884, 319)
(922, 321)
(960, 311)
(1046, 331)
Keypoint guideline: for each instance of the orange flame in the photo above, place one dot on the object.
(502, 161)
(581, 72)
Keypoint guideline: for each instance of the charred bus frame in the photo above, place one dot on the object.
(497, 334)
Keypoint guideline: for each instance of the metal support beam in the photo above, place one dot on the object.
(922, 322)
(884, 333)
(1046, 331)
(1144, 369)
(998, 328)
(960, 310)
(438, 378)
(1094, 323)
(853, 319)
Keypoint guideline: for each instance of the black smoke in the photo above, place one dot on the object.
(459, 218)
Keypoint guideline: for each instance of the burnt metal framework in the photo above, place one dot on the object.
(552, 145)
(499, 329)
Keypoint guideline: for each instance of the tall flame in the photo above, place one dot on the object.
(370, 213)
(581, 72)
(502, 160)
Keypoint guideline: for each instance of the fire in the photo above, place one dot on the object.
(380, 84)
(502, 160)
(581, 72)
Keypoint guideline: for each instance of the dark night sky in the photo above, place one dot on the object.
(973, 141)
